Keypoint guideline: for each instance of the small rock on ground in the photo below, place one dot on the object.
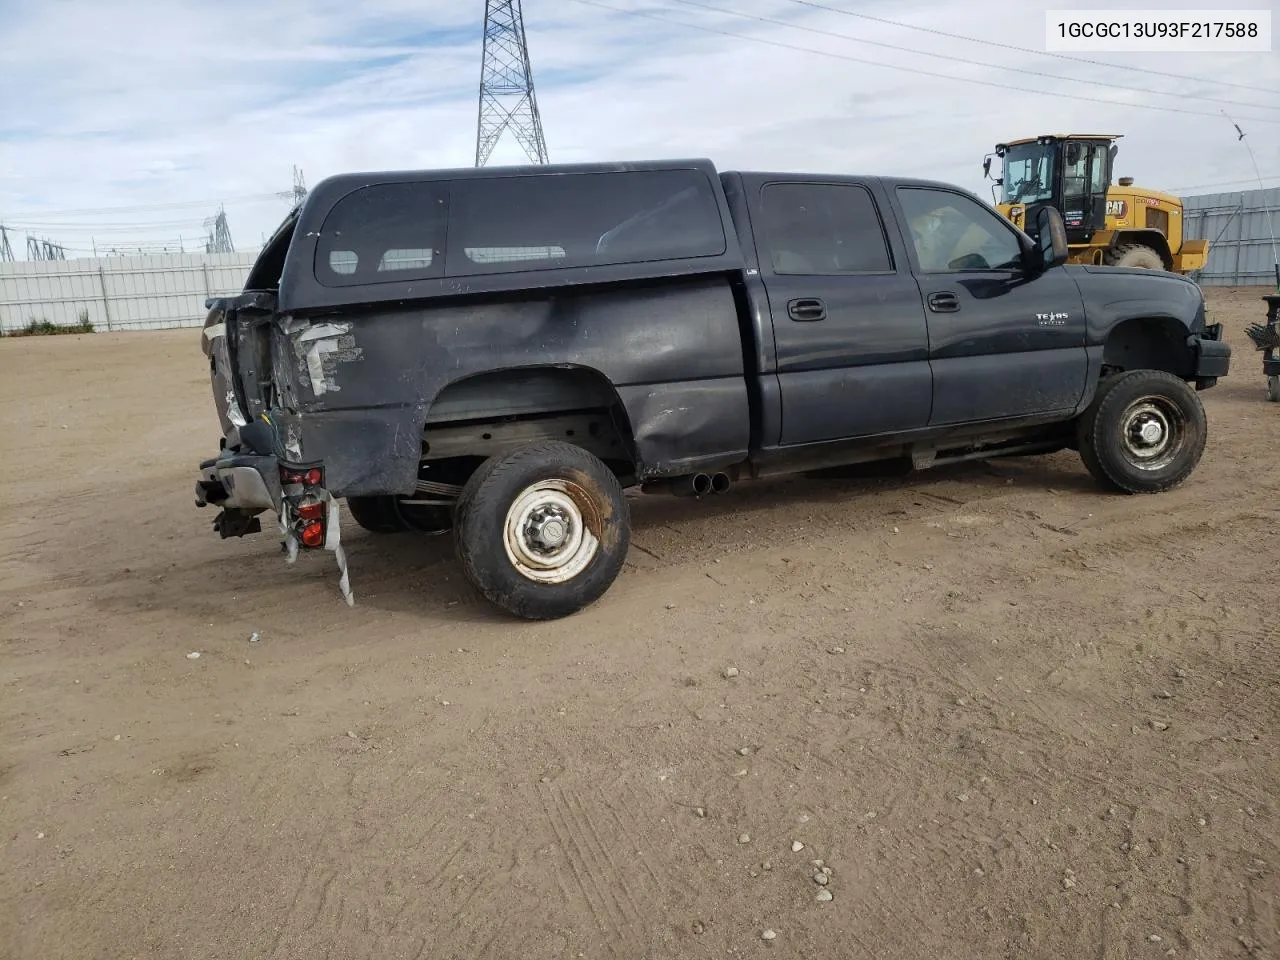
(796, 846)
(824, 895)
(744, 838)
(731, 671)
(768, 935)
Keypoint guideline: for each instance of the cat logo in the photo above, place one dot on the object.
(1117, 208)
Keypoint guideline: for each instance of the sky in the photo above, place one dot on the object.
(128, 122)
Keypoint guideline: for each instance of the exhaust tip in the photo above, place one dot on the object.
(720, 483)
(701, 484)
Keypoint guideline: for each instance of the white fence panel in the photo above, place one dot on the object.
(119, 293)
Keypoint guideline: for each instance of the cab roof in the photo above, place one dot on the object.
(1065, 136)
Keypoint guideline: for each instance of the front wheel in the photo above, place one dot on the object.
(542, 533)
(1146, 434)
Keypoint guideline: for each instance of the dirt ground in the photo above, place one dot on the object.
(1015, 716)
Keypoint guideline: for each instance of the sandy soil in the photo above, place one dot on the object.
(1048, 727)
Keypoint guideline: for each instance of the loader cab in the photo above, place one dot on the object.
(1070, 172)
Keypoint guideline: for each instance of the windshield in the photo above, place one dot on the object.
(1028, 173)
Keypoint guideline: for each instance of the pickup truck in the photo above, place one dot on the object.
(501, 353)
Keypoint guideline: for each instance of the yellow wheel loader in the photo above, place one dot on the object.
(1120, 225)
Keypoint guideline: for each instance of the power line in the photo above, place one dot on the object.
(38, 225)
(1221, 183)
(915, 71)
(1038, 53)
(973, 63)
(143, 207)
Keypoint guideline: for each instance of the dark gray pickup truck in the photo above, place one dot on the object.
(499, 353)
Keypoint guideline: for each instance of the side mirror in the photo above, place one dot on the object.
(1051, 237)
(986, 166)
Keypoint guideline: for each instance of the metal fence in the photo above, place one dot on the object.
(119, 293)
(1241, 228)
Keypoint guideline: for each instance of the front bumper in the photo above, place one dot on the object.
(1213, 355)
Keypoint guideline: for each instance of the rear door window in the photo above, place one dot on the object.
(823, 229)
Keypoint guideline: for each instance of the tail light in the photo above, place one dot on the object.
(307, 477)
(310, 503)
(313, 534)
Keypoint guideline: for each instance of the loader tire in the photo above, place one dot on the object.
(1136, 255)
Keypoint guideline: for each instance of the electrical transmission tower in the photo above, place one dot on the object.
(6, 251)
(507, 100)
(44, 250)
(219, 239)
(299, 191)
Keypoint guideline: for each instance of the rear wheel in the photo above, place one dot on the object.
(1145, 433)
(1136, 255)
(543, 532)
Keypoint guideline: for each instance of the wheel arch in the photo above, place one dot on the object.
(1149, 343)
(529, 391)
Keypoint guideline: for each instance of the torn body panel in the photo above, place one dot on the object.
(360, 392)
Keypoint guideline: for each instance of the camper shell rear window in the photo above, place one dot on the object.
(434, 229)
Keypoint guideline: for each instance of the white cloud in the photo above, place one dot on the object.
(138, 103)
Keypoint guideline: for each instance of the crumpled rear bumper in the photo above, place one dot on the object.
(243, 485)
(247, 484)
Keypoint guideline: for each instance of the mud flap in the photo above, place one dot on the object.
(332, 542)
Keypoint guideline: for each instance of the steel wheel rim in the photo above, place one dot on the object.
(551, 531)
(1152, 433)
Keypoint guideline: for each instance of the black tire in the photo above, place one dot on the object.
(1132, 463)
(386, 514)
(592, 502)
(1136, 255)
(1084, 436)
(376, 514)
(431, 520)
